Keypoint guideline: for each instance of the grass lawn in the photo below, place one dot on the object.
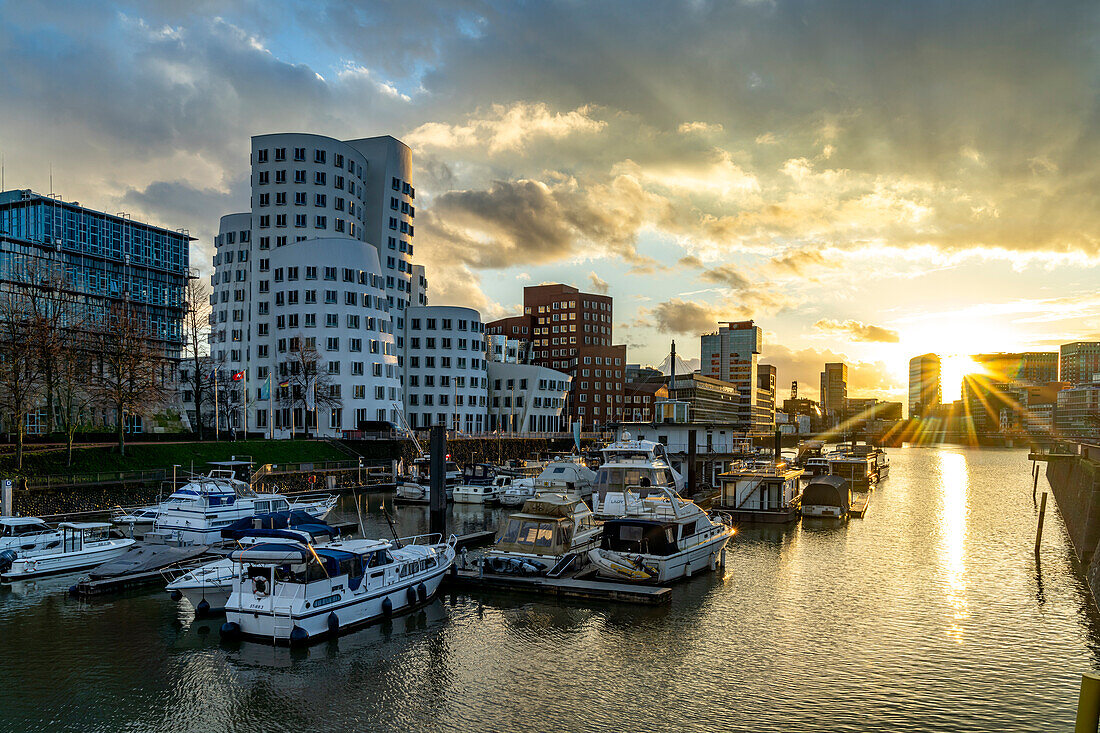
(149, 456)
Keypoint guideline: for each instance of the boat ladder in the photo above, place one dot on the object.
(275, 627)
(564, 564)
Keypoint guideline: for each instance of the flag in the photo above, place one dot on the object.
(265, 389)
(238, 376)
(213, 375)
(311, 395)
(284, 383)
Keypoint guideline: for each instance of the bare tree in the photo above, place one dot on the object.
(132, 370)
(309, 384)
(196, 356)
(73, 395)
(20, 365)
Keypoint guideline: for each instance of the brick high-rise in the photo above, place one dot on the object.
(571, 331)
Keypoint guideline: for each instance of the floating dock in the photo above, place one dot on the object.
(589, 590)
(858, 507)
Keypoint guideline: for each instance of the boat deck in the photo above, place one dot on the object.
(592, 590)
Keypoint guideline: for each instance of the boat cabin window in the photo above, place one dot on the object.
(22, 530)
(379, 558)
(97, 534)
(529, 532)
(263, 507)
(279, 505)
(620, 479)
(648, 538)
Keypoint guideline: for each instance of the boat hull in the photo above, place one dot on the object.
(823, 511)
(662, 569)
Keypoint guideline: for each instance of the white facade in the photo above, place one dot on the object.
(419, 282)
(444, 368)
(526, 398)
(319, 203)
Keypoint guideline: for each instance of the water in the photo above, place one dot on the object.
(930, 614)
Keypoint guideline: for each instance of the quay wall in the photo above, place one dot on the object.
(1075, 482)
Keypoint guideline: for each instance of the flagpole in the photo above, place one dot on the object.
(246, 402)
(270, 416)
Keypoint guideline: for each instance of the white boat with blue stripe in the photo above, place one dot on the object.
(290, 593)
(198, 511)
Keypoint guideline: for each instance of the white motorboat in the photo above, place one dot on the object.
(515, 490)
(24, 534)
(566, 476)
(198, 511)
(661, 539)
(207, 588)
(295, 594)
(639, 465)
(83, 545)
(550, 533)
(417, 488)
(476, 494)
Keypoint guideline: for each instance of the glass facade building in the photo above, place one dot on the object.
(98, 257)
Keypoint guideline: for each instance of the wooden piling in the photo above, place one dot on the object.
(1039, 529)
(1034, 478)
(1088, 704)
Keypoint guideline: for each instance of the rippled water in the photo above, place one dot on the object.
(930, 614)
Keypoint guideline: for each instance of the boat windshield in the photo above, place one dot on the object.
(619, 479)
(534, 533)
(20, 530)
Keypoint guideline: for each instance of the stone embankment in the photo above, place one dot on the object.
(1073, 471)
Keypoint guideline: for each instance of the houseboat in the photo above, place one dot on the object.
(290, 593)
(662, 539)
(761, 491)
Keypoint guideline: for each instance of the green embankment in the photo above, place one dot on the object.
(151, 456)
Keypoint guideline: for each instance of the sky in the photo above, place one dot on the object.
(868, 181)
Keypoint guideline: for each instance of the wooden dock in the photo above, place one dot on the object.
(86, 588)
(858, 507)
(590, 590)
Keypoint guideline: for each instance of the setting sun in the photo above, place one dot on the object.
(953, 369)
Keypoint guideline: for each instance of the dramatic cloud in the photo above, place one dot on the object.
(505, 129)
(680, 316)
(597, 284)
(857, 331)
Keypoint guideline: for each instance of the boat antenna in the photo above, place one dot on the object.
(389, 521)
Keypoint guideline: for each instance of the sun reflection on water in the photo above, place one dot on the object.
(953, 525)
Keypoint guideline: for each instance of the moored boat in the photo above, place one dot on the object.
(761, 491)
(662, 539)
(515, 490)
(24, 534)
(551, 530)
(826, 496)
(631, 470)
(83, 545)
(289, 593)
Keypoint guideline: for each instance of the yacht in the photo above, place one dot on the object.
(23, 534)
(83, 545)
(514, 490)
(551, 530)
(661, 539)
(207, 588)
(642, 466)
(566, 476)
(416, 487)
(290, 593)
(198, 511)
(817, 466)
(476, 494)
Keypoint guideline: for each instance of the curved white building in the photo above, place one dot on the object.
(526, 398)
(445, 381)
(318, 205)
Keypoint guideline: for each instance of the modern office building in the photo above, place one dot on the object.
(925, 393)
(1023, 368)
(766, 377)
(1079, 362)
(445, 380)
(526, 398)
(419, 283)
(834, 388)
(710, 400)
(1077, 413)
(731, 354)
(571, 332)
(639, 399)
(96, 259)
(319, 205)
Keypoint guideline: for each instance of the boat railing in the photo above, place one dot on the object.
(433, 538)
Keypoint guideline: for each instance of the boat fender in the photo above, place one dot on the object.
(298, 635)
(411, 594)
(231, 629)
(203, 608)
(176, 595)
(333, 622)
(422, 592)
(259, 586)
(387, 607)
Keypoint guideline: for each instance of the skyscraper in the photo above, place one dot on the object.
(834, 387)
(731, 354)
(925, 393)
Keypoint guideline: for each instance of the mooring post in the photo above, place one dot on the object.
(437, 502)
(1039, 529)
(691, 475)
(1034, 478)
(1088, 704)
(6, 490)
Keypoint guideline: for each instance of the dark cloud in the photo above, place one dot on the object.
(857, 331)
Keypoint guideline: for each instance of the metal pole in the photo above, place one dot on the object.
(1039, 529)
(1088, 704)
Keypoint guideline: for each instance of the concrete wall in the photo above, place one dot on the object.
(1075, 482)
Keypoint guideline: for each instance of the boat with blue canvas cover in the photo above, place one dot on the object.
(290, 593)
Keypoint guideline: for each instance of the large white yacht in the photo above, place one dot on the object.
(550, 529)
(82, 545)
(198, 511)
(631, 470)
(660, 539)
(22, 534)
(290, 593)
